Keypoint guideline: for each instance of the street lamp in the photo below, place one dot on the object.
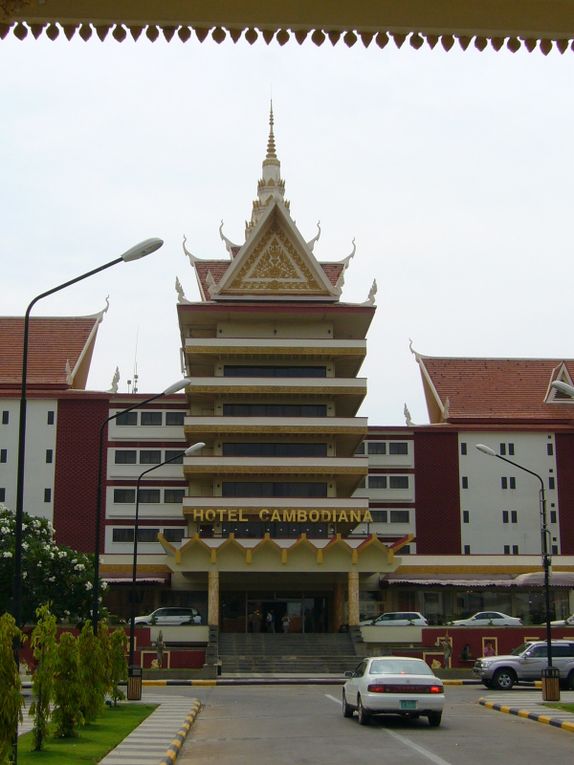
(546, 558)
(134, 253)
(97, 531)
(190, 450)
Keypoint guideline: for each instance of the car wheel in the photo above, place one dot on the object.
(362, 715)
(347, 710)
(434, 719)
(503, 679)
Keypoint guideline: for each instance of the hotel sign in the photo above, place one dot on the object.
(225, 515)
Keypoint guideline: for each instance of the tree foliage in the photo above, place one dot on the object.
(118, 664)
(44, 648)
(50, 573)
(92, 673)
(11, 700)
(67, 713)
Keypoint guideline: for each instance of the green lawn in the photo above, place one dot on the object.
(563, 707)
(93, 742)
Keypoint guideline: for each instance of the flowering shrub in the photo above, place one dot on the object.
(51, 574)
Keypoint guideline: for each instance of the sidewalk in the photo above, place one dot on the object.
(531, 707)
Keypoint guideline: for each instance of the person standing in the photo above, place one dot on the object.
(270, 621)
(285, 621)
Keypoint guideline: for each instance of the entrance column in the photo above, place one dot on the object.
(339, 609)
(213, 598)
(353, 598)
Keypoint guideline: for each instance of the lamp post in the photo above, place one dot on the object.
(97, 530)
(134, 253)
(190, 450)
(546, 562)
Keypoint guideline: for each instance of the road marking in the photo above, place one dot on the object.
(406, 741)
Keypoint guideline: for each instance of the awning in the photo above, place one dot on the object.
(526, 581)
(139, 580)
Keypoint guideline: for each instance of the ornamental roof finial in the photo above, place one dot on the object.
(271, 151)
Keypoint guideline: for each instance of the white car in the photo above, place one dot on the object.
(164, 617)
(568, 622)
(395, 685)
(488, 618)
(396, 619)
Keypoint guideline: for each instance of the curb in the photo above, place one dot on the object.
(177, 742)
(540, 717)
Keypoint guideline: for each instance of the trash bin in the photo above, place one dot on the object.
(134, 684)
(551, 684)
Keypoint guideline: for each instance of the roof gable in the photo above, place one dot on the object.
(275, 263)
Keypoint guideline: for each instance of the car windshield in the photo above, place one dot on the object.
(519, 649)
(400, 667)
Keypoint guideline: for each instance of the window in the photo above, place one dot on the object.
(269, 489)
(150, 457)
(507, 449)
(505, 516)
(123, 535)
(551, 483)
(513, 516)
(508, 483)
(151, 418)
(3, 455)
(553, 516)
(376, 447)
(174, 418)
(380, 516)
(47, 495)
(377, 482)
(124, 496)
(275, 410)
(465, 516)
(51, 417)
(550, 449)
(2, 495)
(125, 457)
(515, 550)
(398, 447)
(273, 371)
(398, 482)
(360, 448)
(274, 450)
(175, 456)
(399, 516)
(464, 482)
(555, 549)
(49, 455)
(5, 417)
(147, 535)
(173, 495)
(174, 535)
(507, 549)
(127, 418)
(463, 447)
(467, 549)
(149, 496)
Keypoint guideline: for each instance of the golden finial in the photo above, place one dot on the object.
(271, 153)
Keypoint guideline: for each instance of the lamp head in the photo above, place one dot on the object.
(176, 386)
(486, 450)
(194, 448)
(143, 248)
(563, 387)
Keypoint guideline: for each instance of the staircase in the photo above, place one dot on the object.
(265, 653)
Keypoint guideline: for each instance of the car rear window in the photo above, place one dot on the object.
(400, 667)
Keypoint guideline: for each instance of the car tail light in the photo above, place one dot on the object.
(391, 688)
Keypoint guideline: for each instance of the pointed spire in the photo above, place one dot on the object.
(271, 152)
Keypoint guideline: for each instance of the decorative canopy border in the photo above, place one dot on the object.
(510, 24)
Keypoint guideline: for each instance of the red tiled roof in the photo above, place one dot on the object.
(52, 342)
(218, 268)
(497, 388)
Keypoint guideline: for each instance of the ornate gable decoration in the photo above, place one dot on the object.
(275, 264)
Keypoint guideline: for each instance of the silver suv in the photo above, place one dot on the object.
(526, 663)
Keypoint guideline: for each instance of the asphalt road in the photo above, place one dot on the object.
(297, 725)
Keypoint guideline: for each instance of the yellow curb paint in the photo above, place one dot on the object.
(544, 719)
(204, 682)
(154, 682)
(568, 726)
(523, 713)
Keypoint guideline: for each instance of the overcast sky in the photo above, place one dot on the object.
(453, 171)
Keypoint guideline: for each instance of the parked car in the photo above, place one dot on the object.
(526, 662)
(488, 618)
(170, 616)
(393, 685)
(568, 622)
(396, 619)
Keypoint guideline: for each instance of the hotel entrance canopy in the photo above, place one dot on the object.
(501, 23)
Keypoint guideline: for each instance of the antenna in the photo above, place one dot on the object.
(135, 388)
